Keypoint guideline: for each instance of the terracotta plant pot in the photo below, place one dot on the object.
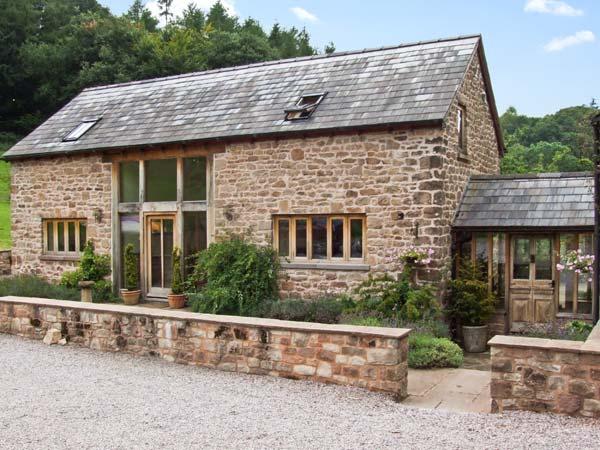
(176, 301)
(130, 297)
(475, 338)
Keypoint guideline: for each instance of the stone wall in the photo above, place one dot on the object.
(409, 171)
(56, 188)
(371, 358)
(545, 375)
(5, 262)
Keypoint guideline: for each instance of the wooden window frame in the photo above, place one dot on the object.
(575, 314)
(62, 253)
(292, 220)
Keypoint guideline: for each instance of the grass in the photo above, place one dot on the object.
(7, 140)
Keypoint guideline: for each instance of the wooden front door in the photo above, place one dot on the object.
(532, 280)
(160, 231)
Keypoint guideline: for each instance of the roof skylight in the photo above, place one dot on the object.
(80, 129)
(304, 107)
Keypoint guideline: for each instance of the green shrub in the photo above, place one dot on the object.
(102, 292)
(366, 322)
(435, 328)
(325, 310)
(71, 278)
(131, 268)
(470, 301)
(92, 267)
(177, 281)
(426, 351)
(235, 277)
(395, 299)
(575, 330)
(33, 286)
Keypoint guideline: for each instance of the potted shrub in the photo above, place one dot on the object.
(131, 293)
(472, 305)
(177, 297)
(88, 270)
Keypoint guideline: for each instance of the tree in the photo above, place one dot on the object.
(220, 20)
(165, 9)
(141, 15)
(330, 48)
(193, 17)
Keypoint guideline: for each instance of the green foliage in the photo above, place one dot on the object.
(102, 292)
(131, 268)
(561, 142)
(93, 267)
(435, 328)
(395, 298)
(177, 286)
(470, 302)
(579, 326)
(575, 330)
(426, 352)
(235, 277)
(33, 286)
(365, 322)
(324, 310)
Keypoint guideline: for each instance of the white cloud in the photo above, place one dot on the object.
(303, 14)
(560, 43)
(178, 6)
(556, 7)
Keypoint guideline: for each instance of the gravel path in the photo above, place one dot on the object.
(68, 397)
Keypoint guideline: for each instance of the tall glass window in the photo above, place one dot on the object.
(194, 236)
(575, 290)
(194, 178)
(130, 234)
(129, 182)
(161, 180)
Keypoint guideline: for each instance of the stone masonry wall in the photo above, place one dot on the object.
(5, 262)
(371, 358)
(414, 171)
(56, 188)
(545, 375)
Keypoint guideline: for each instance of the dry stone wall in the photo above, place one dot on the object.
(545, 375)
(370, 358)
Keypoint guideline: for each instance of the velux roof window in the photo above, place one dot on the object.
(304, 107)
(80, 129)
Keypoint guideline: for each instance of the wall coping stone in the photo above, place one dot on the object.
(256, 322)
(590, 346)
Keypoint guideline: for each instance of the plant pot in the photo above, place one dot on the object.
(86, 291)
(475, 338)
(176, 301)
(130, 297)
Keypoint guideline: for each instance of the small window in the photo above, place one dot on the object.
(304, 107)
(64, 237)
(161, 180)
(320, 237)
(129, 177)
(461, 124)
(80, 130)
(194, 179)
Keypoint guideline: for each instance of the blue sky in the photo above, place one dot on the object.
(543, 54)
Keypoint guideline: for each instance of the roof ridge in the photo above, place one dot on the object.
(533, 176)
(284, 61)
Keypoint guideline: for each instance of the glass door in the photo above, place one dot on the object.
(160, 237)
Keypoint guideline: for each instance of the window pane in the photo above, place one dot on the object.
(50, 236)
(156, 252)
(481, 254)
(566, 289)
(61, 236)
(71, 235)
(498, 267)
(584, 286)
(356, 242)
(194, 237)
(301, 238)
(283, 237)
(161, 180)
(465, 248)
(129, 181)
(521, 259)
(194, 178)
(337, 238)
(82, 235)
(543, 259)
(168, 251)
(130, 234)
(319, 237)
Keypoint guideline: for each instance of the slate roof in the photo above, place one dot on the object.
(549, 200)
(410, 83)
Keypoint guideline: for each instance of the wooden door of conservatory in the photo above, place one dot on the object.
(159, 247)
(532, 280)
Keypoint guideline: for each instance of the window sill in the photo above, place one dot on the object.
(574, 316)
(463, 158)
(326, 266)
(74, 258)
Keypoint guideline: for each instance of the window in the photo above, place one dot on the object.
(461, 124)
(320, 237)
(161, 180)
(64, 237)
(194, 179)
(304, 107)
(80, 130)
(194, 237)
(129, 182)
(130, 234)
(575, 290)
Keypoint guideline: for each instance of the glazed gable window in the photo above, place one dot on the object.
(64, 237)
(320, 237)
(461, 128)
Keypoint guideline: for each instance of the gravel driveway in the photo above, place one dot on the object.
(68, 397)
